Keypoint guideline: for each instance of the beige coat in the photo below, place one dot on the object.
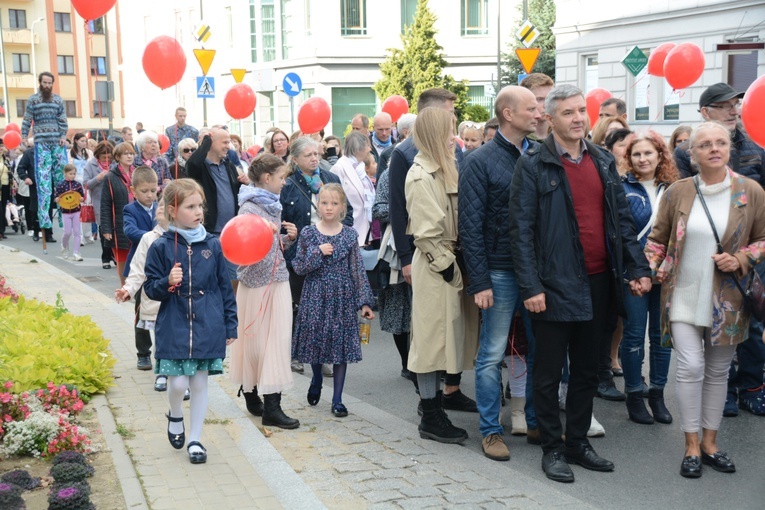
(444, 319)
(136, 278)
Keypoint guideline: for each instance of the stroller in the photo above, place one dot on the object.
(15, 215)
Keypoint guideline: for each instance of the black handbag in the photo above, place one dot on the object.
(753, 291)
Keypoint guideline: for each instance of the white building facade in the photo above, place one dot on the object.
(594, 36)
(334, 46)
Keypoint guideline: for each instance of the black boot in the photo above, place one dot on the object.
(656, 402)
(435, 424)
(254, 404)
(636, 408)
(273, 414)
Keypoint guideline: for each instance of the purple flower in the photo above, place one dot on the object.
(67, 493)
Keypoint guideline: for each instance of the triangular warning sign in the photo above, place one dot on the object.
(528, 57)
(205, 58)
(205, 89)
(238, 74)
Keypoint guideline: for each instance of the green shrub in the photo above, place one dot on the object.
(476, 113)
(41, 343)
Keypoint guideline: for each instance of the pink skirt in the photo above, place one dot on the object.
(261, 354)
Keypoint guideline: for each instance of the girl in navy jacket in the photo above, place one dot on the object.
(186, 272)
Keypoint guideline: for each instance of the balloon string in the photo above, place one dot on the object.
(661, 110)
(638, 80)
(274, 269)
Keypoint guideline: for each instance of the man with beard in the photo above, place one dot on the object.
(46, 111)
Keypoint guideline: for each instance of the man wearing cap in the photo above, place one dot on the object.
(720, 103)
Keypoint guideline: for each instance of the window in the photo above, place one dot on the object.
(641, 87)
(347, 102)
(590, 72)
(353, 17)
(408, 9)
(98, 66)
(100, 109)
(21, 62)
(230, 26)
(307, 17)
(62, 21)
(21, 107)
(65, 64)
(474, 17)
(477, 95)
(285, 29)
(269, 107)
(268, 26)
(253, 34)
(18, 18)
(742, 69)
(71, 108)
(96, 26)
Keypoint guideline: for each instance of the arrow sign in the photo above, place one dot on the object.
(292, 84)
(528, 57)
(205, 58)
(238, 74)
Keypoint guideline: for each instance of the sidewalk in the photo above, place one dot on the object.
(371, 459)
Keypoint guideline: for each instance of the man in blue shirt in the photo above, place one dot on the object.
(178, 132)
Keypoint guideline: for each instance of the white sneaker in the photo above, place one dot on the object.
(562, 394)
(596, 429)
(64, 252)
(87, 240)
(30, 233)
(77, 257)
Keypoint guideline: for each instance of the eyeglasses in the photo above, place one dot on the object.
(721, 144)
(187, 150)
(726, 107)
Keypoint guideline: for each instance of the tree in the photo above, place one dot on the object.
(542, 15)
(419, 65)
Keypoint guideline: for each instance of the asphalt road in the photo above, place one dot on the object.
(647, 458)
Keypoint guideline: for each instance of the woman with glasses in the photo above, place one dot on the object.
(278, 144)
(186, 148)
(702, 311)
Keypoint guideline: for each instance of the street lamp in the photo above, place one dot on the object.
(34, 64)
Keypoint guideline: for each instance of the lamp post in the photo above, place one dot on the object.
(34, 62)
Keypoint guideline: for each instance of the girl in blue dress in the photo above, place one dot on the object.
(335, 288)
(186, 272)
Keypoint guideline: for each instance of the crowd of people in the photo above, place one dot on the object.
(581, 239)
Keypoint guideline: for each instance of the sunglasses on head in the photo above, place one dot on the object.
(187, 150)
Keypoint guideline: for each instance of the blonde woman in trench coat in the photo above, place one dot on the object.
(444, 321)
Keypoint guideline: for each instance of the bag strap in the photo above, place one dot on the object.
(297, 185)
(714, 231)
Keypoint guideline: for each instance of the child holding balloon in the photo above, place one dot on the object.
(260, 360)
(186, 272)
(335, 288)
(70, 211)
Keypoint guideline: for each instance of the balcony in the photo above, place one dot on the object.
(23, 36)
(20, 81)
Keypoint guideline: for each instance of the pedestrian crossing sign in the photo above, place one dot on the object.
(205, 87)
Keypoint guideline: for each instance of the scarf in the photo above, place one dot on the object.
(191, 235)
(127, 178)
(314, 182)
(380, 144)
(264, 198)
(103, 166)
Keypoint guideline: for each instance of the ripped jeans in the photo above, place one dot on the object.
(643, 312)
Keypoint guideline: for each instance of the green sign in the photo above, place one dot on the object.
(635, 61)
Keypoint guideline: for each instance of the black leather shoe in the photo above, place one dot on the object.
(607, 391)
(160, 383)
(144, 363)
(586, 457)
(718, 461)
(49, 239)
(458, 401)
(314, 394)
(176, 440)
(197, 457)
(339, 411)
(691, 467)
(533, 436)
(36, 237)
(556, 468)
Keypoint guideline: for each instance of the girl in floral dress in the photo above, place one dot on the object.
(335, 288)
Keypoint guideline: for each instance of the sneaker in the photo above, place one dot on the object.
(562, 394)
(30, 233)
(88, 240)
(77, 257)
(296, 366)
(494, 447)
(753, 400)
(64, 252)
(730, 410)
(596, 429)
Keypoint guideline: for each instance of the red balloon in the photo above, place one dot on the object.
(246, 239)
(240, 101)
(395, 106)
(164, 61)
(657, 57)
(684, 65)
(751, 111)
(12, 126)
(313, 115)
(594, 99)
(164, 143)
(92, 9)
(253, 150)
(11, 139)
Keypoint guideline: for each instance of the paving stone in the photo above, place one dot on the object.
(384, 506)
(358, 477)
(418, 503)
(379, 496)
(421, 492)
(387, 484)
(354, 466)
(468, 497)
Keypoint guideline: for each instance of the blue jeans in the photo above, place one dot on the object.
(495, 328)
(641, 312)
(531, 415)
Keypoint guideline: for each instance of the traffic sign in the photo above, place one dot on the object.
(292, 84)
(202, 32)
(205, 58)
(205, 87)
(527, 33)
(635, 61)
(528, 57)
(238, 74)
(521, 77)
